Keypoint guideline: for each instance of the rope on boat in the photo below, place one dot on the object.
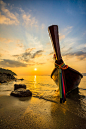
(61, 67)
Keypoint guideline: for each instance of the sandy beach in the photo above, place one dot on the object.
(35, 113)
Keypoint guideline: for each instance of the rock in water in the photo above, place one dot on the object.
(21, 79)
(21, 92)
(17, 86)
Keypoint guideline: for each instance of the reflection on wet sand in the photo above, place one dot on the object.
(65, 118)
(24, 98)
(74, 104)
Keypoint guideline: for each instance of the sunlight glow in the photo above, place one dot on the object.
(35, 81)
(35, 69)
(25, 44)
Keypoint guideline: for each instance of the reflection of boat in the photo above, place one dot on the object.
(63, 76)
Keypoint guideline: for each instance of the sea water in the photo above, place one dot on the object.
(43, 87)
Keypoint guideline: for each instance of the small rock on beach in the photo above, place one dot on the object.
(21, 91)
(17, 86)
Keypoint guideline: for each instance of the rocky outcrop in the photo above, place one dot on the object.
(6, 77)
(21, 79)
(21, 91)
(17, 86)
(7, 71)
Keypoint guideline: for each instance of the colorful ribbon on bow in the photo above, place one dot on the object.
(61, 67)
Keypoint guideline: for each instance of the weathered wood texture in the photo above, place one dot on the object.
(53, 32)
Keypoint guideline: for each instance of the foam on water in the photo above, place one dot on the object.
(43, 87)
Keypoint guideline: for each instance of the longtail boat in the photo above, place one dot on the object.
(65, 77)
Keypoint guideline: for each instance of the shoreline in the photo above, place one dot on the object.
(35, 113)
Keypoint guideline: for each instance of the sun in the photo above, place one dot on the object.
(35, 69)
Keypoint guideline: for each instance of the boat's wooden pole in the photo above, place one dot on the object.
(53, 32)
(70, 77)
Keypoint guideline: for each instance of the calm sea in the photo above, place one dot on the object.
(43, 87)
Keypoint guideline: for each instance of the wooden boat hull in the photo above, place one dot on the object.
(72, 78)
(67, 78)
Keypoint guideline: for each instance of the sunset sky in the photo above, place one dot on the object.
(25, 45)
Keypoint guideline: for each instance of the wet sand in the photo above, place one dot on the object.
(35, 113)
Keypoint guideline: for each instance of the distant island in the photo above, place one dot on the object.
(6, 75)
(84, 74)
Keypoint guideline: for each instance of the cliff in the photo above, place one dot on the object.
(6, 75)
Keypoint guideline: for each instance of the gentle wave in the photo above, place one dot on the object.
(43, 87)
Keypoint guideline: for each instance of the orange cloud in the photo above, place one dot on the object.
(28, 20)
(29, 49)
(80, 55)
(11, 63)
(19, 44)
(9, 18)
(61, 37)
(5, 20)
(5, 40)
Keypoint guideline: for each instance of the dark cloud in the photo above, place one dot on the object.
(64, 51)
(80, 54)
(16, 55)
(24, 56)
(84, 49)
(11, 63)
(69, 49)
(27, 55)
(37, 53)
